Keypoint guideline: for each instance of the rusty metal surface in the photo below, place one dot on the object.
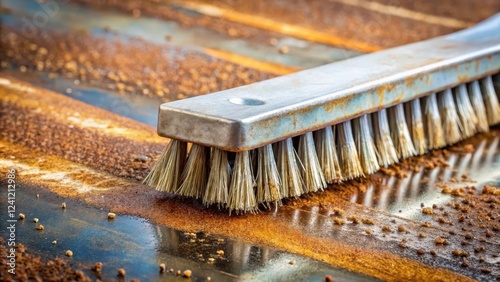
(68, 151)
(307, 220)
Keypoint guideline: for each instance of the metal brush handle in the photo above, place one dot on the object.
(254, 115)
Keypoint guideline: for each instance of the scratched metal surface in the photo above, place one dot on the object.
(393, 199)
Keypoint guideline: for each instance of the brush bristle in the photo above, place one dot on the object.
(195, 173)
(311, 170)
(288, 168)
(241, 190)
(365, 145)
(400, 133)
(166, 176)
(334, 153)
(348, 154)
(218, 179)
(268, 181)
(476, 100)
(465, 111)
(327, 154)
(490, 101)
(451, 122)
(382, 134)
(416, 126)
(432, 123)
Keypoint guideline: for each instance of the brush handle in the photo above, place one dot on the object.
(254, 115)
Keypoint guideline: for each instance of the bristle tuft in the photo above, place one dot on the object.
(400, 133)
(490, 101)
(288, 168)
(382, 134)
(348, 154)
(432, 123)
(365, 145)
(165, 176)
(449, 117)
(268, 181)
(476, 99)
(195, 173)
(218, 179)
(241, 191)
(327, 154)
(311, 173)
(465, 111)
(416, 126)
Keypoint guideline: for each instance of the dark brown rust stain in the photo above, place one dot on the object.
(113, 64)
(33, 268)
(40, 120)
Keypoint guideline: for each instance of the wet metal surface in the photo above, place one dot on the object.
(403, 197)
(142, 109)
(139, 246)
(302, 54)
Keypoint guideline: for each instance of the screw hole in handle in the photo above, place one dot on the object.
(246, 101)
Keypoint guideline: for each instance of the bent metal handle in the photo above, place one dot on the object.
(254, 115)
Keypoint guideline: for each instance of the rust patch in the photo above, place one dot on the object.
(45, 121)
(382, 90)
(463, 78)
(339, 103)
(410, 82)
(427, 79)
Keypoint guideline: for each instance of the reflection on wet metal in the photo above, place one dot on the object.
(139, 246)
(404, 196)
(142, 109)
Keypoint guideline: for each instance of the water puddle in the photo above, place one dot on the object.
(139, 246)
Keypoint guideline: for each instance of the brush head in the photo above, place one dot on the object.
(328, 127)
(266, 112)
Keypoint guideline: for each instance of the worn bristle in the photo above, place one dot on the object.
(432, 123)
(311, 172)
(166, 174)
(416, 126)
(327, 154)
(476, 99)
(386, 151)
(288, 168)
(490, 101)
(365, 145)
(449, 117)
(241, 190)
(194, 176)
(218, 179)
(465, 111)
(268, 181)
(400, 133)
(348, 154)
